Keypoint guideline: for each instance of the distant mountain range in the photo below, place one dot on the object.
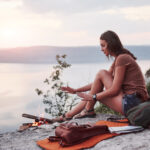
(81, 54)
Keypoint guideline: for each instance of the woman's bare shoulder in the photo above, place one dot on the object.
(124, 56)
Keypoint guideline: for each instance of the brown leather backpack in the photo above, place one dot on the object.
(71, 133)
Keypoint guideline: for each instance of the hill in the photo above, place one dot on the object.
(46, 54)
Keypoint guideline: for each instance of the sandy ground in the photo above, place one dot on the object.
(26, 140)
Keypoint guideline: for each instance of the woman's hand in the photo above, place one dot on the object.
(86, 97)
(68, 89)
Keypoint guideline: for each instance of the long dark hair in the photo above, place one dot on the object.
(114, 44)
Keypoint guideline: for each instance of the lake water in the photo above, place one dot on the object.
(19, 81)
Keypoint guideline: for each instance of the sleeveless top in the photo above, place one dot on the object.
(134, 80)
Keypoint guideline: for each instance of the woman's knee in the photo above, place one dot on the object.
(102, 73)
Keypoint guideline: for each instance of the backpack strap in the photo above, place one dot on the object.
(58, 139)
(54, 138)
(118, 120)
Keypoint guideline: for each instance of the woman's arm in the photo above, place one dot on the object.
(74, 91)
(111, 68)
(84, 88)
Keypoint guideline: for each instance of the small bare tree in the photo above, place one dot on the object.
(57, 100)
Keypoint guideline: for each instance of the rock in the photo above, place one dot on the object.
(26, 140)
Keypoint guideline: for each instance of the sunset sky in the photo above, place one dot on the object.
(72, 22)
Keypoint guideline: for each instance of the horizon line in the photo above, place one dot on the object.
(15, 47)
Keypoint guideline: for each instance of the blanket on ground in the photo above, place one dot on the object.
(46, 144)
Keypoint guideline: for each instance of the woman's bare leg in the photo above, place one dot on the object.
(77, 109)
(115, 103)
(98, 87)
(105, 78)
(102, 79)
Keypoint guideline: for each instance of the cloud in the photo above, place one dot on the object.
(138, 38)
(17, 27)
(141, 13)
(109, 12)
(10, 3)
(69, 22)
(78, 6)
(6, 93)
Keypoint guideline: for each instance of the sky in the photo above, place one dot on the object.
(72, 22)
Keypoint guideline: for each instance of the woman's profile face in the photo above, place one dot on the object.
(104, 48)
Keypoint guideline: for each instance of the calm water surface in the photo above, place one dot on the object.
(19, 81)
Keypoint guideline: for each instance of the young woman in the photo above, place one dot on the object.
(120, 88)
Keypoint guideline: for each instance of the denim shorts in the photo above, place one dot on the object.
(129, 101)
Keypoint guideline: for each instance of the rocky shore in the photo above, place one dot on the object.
(26, 140)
